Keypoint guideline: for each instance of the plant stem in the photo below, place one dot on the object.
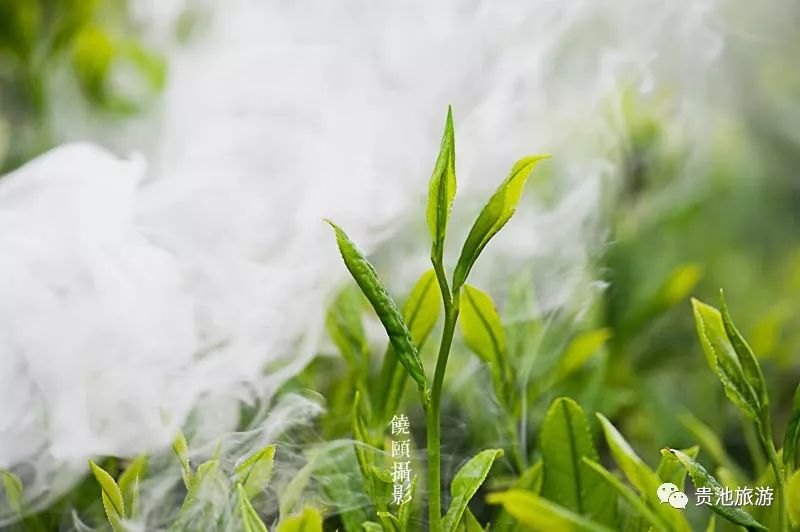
(433, 412)
(780, 483)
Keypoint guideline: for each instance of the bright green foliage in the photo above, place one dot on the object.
(251, 522)
(484, 335)
(309, 520)
(256, 471)
(580, 350)
(703, 479)
(181, 449)
(442, 189)
(111, 495)
(539, 514)
(469, 523)
(567, 480)
(466, 483)
(13, 488)
(655, 521)
(493, 217)
(793, 497)
(367, 279)
(724, 360)
(129, 484)
(671, 470)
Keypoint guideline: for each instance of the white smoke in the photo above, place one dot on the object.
(133, 287)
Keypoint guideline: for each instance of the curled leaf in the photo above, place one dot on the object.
(367, 280)
(442, 189)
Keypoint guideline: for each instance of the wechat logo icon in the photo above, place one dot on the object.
(669, 493)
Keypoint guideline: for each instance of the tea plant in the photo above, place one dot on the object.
(495, 214)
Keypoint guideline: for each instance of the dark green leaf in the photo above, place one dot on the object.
(367, 279)
(442, 189)
(420, 312)
(466, 483)
(702, 479)
(493, 217)
(567, 480)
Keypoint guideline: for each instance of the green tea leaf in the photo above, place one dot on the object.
(251, 522)
(256, 471)
(636, 471)
(567, 480)
(367, 279)
(113, 503)
(702, 479)
(404, 512)
(442, 189)
(710, 443)
(542, 515)
(712, 524)
(420, 312)
(748, 361)
(793, 497)
(581, 349)
(466, 483)
(308, 521)
(723, 359)
(390, 522)
(181, 449)
(129, 484)
(670, 470)
(484, 335)
(14, 491)
(792, 436)
(469, 523)
(493, 217)
(346, 329)
(371, 526)
(636, 502)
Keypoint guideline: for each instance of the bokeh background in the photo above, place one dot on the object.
(167, 166)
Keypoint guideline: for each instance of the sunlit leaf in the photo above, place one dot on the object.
(493, 217)
(635, 501)
(113, 503)
(14, 491)
(442, 189)
(256, 471)
(541, 515)
(251, 522)
(580, 350)
(309, 520)
(181, 449)
(466, 483)
(723, 359)
(484, 335)
(129, 484)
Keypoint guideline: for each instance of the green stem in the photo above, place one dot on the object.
(433, 412)
(780, 488)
